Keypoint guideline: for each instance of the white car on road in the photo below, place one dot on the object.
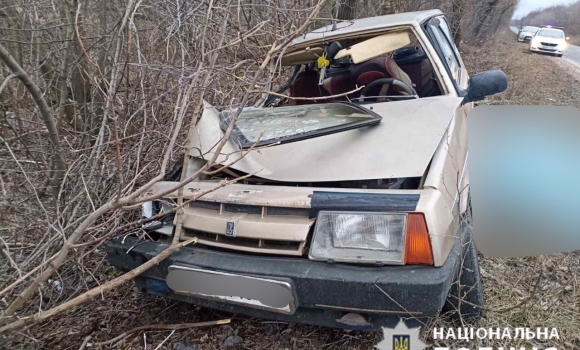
(527, 33)
(549, 40)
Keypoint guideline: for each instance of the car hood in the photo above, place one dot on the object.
(402, 145)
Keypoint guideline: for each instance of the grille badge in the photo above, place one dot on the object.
(231, 229)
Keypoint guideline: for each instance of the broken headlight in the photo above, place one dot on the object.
(163, 225)
(359, 237)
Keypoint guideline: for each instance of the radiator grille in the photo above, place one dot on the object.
(260, 229)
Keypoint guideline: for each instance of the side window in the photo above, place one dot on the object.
(442, 35)
(445, 28)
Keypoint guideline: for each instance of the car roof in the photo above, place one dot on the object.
(367, 24)
(551, 29)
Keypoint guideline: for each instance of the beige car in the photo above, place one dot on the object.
(352, 217)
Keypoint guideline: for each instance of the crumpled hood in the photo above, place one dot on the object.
(402, 145)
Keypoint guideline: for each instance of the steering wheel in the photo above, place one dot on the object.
(391, 81)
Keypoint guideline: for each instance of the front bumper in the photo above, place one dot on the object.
(540, 49)
(324, 292)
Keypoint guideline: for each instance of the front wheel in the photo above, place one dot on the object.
(560, 55)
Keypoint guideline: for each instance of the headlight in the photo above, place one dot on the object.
(367, 238)
(147, 209)
(164, 225)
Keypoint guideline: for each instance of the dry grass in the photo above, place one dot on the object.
(534, 79)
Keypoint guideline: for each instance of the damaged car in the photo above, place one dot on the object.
(354, 216)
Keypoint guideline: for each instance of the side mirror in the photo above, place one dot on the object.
(484, 84)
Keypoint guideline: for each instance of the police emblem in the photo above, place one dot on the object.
(401, 342)
(401, 338)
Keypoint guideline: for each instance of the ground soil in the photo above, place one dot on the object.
(534, 79)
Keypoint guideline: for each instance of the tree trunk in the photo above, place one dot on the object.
(58, 169)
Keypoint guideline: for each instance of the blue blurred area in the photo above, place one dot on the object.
(524, 172)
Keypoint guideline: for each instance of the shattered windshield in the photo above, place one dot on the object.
(261, 126)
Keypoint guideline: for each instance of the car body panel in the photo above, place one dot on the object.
(402, 145)
(448, 175)
(441, 212)
(324, 292)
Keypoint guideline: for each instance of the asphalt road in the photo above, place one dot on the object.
(572, 53)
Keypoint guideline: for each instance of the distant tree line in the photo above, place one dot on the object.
(470, 20)
(567, 16)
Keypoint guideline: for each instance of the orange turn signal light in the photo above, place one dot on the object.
(417, 244)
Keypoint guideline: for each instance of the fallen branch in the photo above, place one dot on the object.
(86, 296)
(520, 304)
(85, 342)
(163, 327)
(307, 98)
(528, 299)
(136, 196)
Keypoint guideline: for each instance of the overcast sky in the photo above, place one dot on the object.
(527, 6)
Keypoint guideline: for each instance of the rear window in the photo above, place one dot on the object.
(530, 29)
(556, 34)
(262, 126)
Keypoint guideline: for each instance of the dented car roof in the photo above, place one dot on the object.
(369, 24)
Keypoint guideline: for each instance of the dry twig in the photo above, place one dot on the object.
(86, 296)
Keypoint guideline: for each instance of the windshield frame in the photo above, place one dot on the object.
(240, 139)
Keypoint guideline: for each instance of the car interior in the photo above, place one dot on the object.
(377, 68)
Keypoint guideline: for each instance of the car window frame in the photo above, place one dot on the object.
(445, 36)
(428, 27)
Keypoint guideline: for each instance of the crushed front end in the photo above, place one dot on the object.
(289, 254)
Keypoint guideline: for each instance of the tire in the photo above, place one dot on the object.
(560, 55)
(465, 301)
